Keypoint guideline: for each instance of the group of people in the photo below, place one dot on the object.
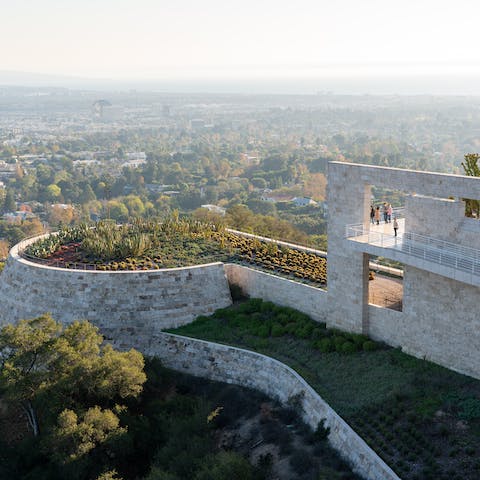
(387, 211)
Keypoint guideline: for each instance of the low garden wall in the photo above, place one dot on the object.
(250, 369)
(282, 291)
(127, 302)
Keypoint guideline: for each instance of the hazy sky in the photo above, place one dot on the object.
(220, 38)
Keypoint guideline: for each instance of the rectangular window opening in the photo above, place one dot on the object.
(385, 285)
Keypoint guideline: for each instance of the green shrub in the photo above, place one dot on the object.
(358, 339)
(219, 313)
(290, 328)
(317, 334)
(225, 466)
(263, 331)
(250, 306)
(369, 346)
(326, 345)
(348, 347)
(321, 432)
(338, 341)
(267, 307)
(160, 474)
(282, 318)
(303, 331)
(277, 330)
(201, 319)
(470, 409)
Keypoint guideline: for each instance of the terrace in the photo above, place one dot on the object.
(428, 253)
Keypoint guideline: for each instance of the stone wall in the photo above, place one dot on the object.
(440, 318)
(250, 369)
(257, 284)
(129, 303)
(348, 203)
(442, 322)
(389, 326)
(441, 218)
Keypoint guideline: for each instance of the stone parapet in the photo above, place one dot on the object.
(277, 380)
(132, 302)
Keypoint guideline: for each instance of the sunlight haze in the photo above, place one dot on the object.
(148, 40)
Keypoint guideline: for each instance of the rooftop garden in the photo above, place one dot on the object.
(171, 242)
(422, 419)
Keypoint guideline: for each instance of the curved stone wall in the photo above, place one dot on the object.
(128, 303)
(277, 380)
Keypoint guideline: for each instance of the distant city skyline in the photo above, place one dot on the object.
(149, 40)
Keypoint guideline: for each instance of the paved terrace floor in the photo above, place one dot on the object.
(437, 256)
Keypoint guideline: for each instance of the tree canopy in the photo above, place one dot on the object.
(57, 374)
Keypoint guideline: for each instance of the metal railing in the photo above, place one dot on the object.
(430, 249)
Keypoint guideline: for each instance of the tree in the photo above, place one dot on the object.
(259, 182)
(45, 368)
(135, 206)
(53, 192)
(9, 203)
(117, 210)
(472, 169)
(73, 439)
(224, 466)
(61, 215)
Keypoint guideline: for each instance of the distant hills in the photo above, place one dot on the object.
(349, 85)
(31, 79)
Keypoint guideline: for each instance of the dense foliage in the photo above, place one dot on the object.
(423, 419)
(262, 319)
(170, 427)
(69, 386)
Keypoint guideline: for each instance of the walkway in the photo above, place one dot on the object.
(449, 256)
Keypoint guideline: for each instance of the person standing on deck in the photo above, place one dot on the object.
(377, 215)
(395, 225)
(389, 212)
(372, 214)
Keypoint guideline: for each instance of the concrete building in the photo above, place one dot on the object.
(439, 247)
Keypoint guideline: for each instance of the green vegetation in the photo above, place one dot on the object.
(172, 242)
(68, 386)
(256, 318)
(424, 420)
(94, 413)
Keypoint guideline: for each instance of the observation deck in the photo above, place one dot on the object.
(448, 259)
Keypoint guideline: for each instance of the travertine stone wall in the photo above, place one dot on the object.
(131, 303)
(440, 322)
(347, 279)
(441, 218)
(242, 367)
(440, 319)
(256, 284)
(430, 184)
